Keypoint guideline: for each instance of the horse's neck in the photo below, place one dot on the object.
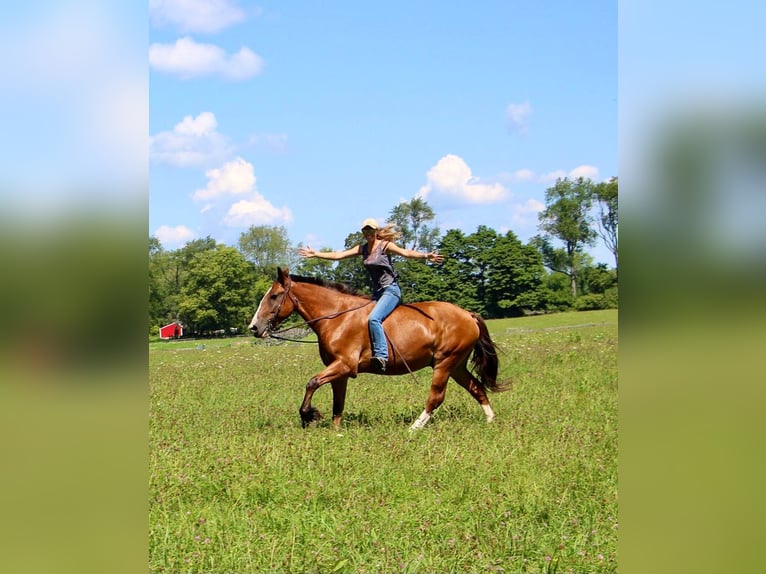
(315, 301)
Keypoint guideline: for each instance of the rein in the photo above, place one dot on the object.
(275, 334)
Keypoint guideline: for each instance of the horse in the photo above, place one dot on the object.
(434, 333)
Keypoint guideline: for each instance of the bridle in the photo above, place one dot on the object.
(272, 322)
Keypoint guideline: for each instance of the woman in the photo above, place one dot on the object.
(376, 257)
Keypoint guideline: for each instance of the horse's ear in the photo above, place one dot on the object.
(283, 275)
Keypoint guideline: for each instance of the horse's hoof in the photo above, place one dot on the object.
(310, 417)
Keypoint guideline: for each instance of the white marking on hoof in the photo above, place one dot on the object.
(489, 413)
(421, 422)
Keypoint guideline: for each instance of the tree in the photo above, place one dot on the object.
(598, 287)
(454, 279)
(605, 194)
(350, 271)
(218, 292)
(415, 278)
(266, 247)
(411, 219)
(567, 218)
(479, 246)
(167, 275)
(514, 279)
(313, 266)
(158, 288)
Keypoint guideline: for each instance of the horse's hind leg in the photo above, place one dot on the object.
(435, 396)
(465, 379)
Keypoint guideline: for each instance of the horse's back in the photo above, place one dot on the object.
(440, 318)
(439, 310)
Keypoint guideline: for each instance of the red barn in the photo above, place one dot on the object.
(171, 331)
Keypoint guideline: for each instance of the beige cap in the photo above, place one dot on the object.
(370, 223)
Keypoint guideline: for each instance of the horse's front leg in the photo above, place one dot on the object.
(309, 414)
(336, 373)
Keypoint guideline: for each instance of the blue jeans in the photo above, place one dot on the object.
(386, 303)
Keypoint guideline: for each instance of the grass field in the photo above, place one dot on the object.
(237, 486)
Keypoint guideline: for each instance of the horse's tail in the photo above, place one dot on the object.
(484, 359)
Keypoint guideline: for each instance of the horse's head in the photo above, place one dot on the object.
(276, 305)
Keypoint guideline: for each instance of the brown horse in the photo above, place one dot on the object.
(435, 334)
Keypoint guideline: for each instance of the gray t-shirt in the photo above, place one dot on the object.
(379, 267)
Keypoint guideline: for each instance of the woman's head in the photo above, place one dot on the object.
(369, 227)
(388, 233)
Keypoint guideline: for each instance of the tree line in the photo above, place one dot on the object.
(213, 288)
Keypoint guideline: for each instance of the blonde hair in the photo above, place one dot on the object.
(388, 233)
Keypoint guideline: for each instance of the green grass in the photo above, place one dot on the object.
(236, 485)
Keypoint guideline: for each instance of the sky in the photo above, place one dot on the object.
(317, 115)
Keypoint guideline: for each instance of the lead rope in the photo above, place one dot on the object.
(275, 334)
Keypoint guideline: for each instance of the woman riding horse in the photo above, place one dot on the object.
(432, 334)
(376, 257)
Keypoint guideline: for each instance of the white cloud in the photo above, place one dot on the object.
(524, 214)
(203, 124)
(237, 179)
(516, 117)
(584, 171)
(256, 211)
(194, 141)
(188, 59)
(234, 178)
(204, 16)
(452, 177)
(174, 236)
(552, 176)
(522, 175)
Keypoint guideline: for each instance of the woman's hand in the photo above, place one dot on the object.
(434, 257)
(306, 251)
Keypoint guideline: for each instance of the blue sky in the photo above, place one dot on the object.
(317, 115)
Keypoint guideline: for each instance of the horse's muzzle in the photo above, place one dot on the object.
(259, 333)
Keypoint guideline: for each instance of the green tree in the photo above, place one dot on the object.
(313, 266)
(514, 279)
(556, 292)
(218, 291)
(598, 288)
(567, 218)
(167, 275)
(411, 219)
(266, 247)
(454, 279)
(351, 271)
(158, 288)
(479, 247)
(193, 247)
(605, 194)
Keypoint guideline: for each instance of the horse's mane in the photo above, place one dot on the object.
(334, 285)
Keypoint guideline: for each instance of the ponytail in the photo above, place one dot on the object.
(388, 233)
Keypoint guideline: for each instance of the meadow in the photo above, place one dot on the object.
(238, 486)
